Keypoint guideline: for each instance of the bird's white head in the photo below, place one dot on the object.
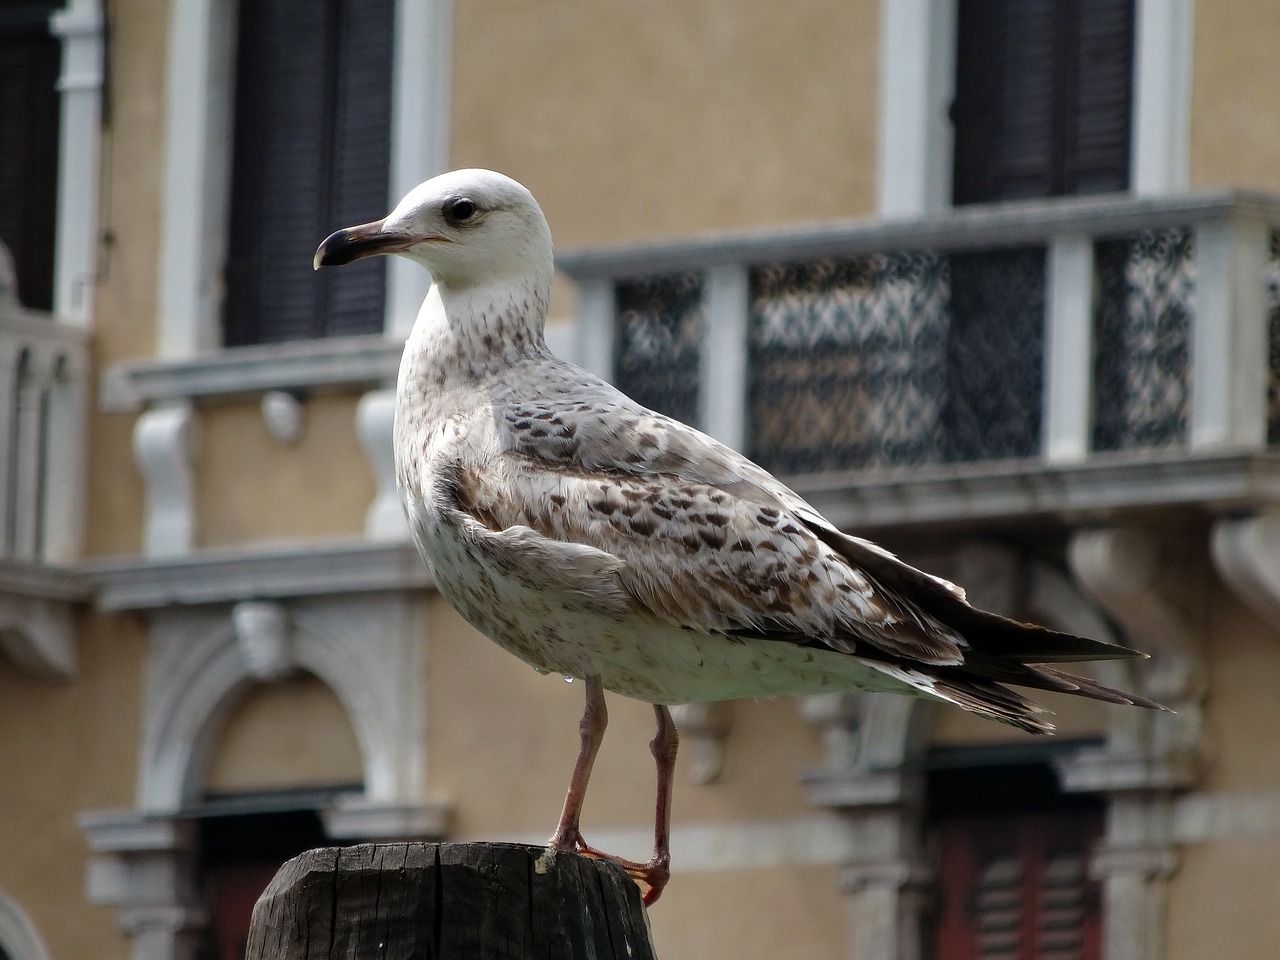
(468, 227)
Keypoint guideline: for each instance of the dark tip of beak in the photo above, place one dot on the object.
(356, 243)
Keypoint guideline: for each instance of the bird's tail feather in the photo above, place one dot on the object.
(980, 688)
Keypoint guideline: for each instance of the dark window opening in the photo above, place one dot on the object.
(244, 840)
(1043, 98)
(312, 153)
(30, 60)
(1012, 855)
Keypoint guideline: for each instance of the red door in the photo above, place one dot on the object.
(233, 890)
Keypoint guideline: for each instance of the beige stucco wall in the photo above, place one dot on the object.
(632, 120)
(68, 747)
(250, 487)
(793, 913)
(1235, 96)
(291, 733)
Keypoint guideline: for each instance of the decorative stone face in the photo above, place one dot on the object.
(262, 631)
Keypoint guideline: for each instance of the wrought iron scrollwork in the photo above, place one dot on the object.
(660, 323)
(1142, 335)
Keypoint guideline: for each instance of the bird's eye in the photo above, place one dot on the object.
(459, 210)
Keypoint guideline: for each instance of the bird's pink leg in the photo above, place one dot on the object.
(654, 874)
(595, 718)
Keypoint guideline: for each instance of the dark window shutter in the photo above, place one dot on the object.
(312, 153)
(1042, 105)
(362, 145)
(1101, 118)
(1017, 887)
(30, 59)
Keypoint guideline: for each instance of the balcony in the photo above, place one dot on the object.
(43, 375)
(1081, 359)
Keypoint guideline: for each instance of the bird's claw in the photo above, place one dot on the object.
(651, 876)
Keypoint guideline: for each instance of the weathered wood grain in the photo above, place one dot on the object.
(448, 901)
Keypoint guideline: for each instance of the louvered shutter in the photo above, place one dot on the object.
(1017, 887)
(1042, 103)
(1100, 118)
(361, 157)
(312, 152)
(29, 109)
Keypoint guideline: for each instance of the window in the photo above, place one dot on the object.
(29, 110)
(1043, 98)
(1013, 867)
(312, 152)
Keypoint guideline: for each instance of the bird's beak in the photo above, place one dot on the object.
(356, 243)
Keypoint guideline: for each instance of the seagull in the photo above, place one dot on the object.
(600, 540)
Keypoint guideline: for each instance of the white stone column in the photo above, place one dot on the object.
(596, 327)
(1229, 346)
(723, 391)
(79, 26)
(1069, 350)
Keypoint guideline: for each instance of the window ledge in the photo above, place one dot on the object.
(341, 361)
(266, 572)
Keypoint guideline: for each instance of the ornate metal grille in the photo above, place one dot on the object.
(995, 355)
(896, 359)
(660, 323)
(1142, 332)
(1273, 327)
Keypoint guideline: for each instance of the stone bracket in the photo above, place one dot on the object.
(375, 422)
(164, 446)
(1246, 554)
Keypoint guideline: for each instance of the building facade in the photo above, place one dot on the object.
(995, 283)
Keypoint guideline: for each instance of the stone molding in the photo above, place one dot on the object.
(19, 938)
(37, 617)
(368, 649)
(275, 571)
(348, 362)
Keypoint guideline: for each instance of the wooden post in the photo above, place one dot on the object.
(448, 901)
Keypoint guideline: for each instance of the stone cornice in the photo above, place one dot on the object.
(1088, 492)
(226, 576)
(43, 581)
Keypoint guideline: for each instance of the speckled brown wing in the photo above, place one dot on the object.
(708, 540)
(693, 556)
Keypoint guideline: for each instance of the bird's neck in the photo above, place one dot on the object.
(474, 331)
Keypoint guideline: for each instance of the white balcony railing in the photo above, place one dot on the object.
(42, 431)
(1030, 357)
(43, 373)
